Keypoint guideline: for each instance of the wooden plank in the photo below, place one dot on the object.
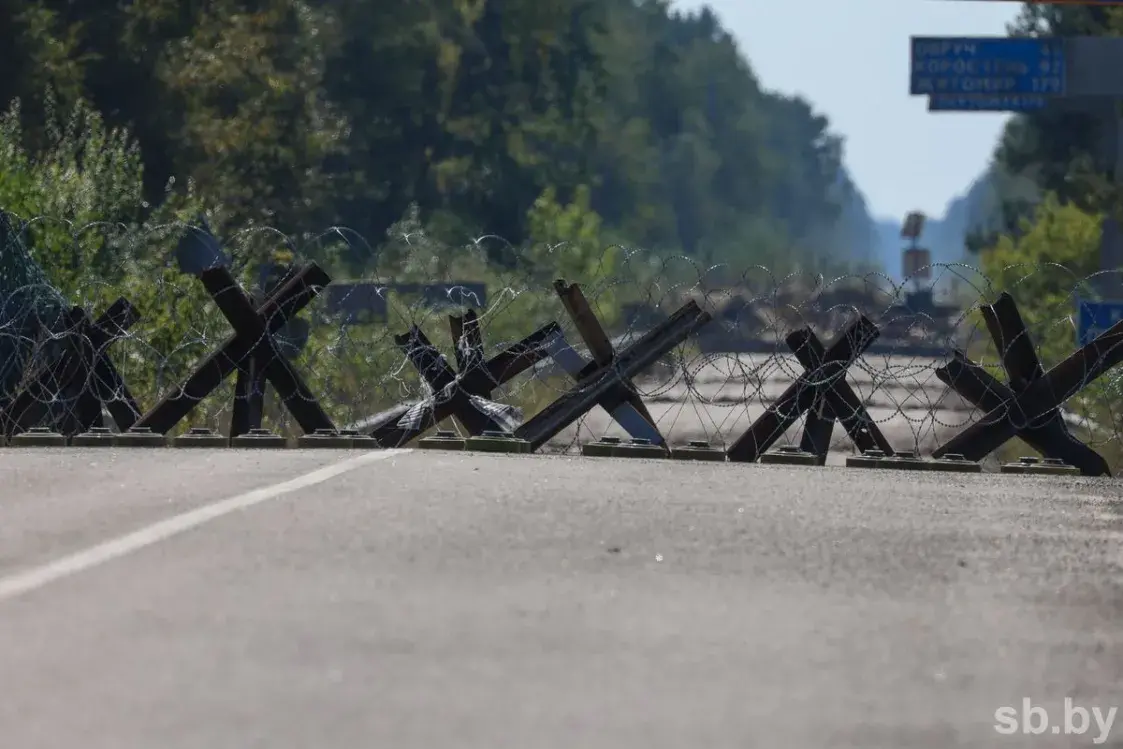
(456, 327)
(817, 430)
(249, 398)
(112, 391)
(842, 403)
(1052, 439)
(585, 394)
(521, 356)
(1012, 341)
(247, 323)
(425, 358)
(801, 394)
(594, 336)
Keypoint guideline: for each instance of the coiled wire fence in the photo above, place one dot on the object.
(166, 328)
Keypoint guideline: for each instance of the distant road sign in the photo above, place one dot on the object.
(983, 103)
(1094, 318)
(913, 226)
(987, 65)
(1064, 2)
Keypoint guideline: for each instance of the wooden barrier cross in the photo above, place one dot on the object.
(251, 380)
(452, 391)
(446, 383)
(836, 401)
(823, 381)
(84, 369)
(605, 380)
(623, 403)
(251, 346)
(1029, 406)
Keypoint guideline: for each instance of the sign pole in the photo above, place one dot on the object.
(1111, 239)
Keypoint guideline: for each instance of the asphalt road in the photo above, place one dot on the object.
(229, 600)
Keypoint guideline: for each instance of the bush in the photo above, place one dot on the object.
(102, 242)
(1047, 269)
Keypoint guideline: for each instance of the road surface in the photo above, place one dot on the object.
(295, 599)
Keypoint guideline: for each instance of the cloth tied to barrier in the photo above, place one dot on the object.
(420, 414)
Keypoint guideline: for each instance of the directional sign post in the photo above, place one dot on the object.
(1024, 75)
(1093, 318)
(1063, 2)
(986, 103)
(992, 66)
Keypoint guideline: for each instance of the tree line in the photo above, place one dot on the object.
(483, 115)
(1033, 220)
(1056, 152)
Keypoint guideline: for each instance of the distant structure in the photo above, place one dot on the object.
(366, 302)
(31, 309)
(356, 302)
(916, 261)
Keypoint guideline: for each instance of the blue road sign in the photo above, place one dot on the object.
(1094, 318)
(987, 65)
(1065, 2)
(983, 103)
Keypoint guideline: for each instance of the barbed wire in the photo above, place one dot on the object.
(170, 327)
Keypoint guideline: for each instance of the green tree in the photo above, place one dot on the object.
(256, 126)
(302, 115)
(77, 238)
(1061, 147)
(1047, 269)
(88, 173)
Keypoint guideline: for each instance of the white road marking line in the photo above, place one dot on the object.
(38, 577)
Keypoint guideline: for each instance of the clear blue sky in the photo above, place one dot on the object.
(851, 60)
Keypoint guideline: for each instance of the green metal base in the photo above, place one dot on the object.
(600, 449)
(905, 461)
(955, 463)
(905, 464)
(96, 437)
(614, 447)
(259, 438)
(698, 450)
(38, 437)
(442, 441)
(140, 438)
(789, 455)
(1037, 467)
(496, 442)
(200, 437)
(324, 438)
(638, 449)
(868, 459)
(909, 461)
(359, 440)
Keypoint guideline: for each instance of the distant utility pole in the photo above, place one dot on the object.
(1024, 74)
(1110, 158)
(916, 262)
